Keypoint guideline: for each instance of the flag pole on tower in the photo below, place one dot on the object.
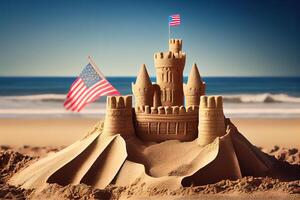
(174, 20)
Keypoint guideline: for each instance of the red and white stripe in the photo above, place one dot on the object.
(175, 20)
(80, 95)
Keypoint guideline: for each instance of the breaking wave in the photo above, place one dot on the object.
(237, 98)
(37, 97)
(261, 98)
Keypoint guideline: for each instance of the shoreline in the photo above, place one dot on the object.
(62, 132)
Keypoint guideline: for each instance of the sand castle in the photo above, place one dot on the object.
(160, 142)
(160, 113)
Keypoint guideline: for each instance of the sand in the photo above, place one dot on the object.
(245, 188)
(62, 132)
(25, 141)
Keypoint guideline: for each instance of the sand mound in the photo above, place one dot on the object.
(12, 161)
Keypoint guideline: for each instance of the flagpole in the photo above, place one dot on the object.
(95, 67)
(169, 32)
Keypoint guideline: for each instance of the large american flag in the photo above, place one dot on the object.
(174, 20)
(88, 87)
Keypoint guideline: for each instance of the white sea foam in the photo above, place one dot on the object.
(261, 98)
(37, 97)
(242, 105)
(236, 98)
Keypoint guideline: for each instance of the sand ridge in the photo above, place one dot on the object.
(247, 187)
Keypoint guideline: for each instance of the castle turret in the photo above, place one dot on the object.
(169, 73)
(211, 119)
(118, 118)
(143, 89)
(175, 45)
(194, 88)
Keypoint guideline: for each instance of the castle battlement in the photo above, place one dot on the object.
(167, 110)
(169, 55)
(169, 59)
(119, 102)
(175, 45)
(165, 123)
(192, 91)
(211, 103)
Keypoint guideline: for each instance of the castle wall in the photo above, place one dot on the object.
(165, 123)
(118, 118)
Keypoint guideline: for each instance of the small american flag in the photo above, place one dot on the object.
(174, 20)
(88, 87)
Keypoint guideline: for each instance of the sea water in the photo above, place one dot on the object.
(244, 97)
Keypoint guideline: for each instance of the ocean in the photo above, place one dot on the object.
(244, 97)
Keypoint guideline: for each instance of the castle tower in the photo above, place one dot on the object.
(211, 119)
(194, 88)
(143, 89)
(118, 118)
(169, 73)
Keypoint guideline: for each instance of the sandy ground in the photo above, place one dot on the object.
(245, 188)
(23, 141)
(62, 132)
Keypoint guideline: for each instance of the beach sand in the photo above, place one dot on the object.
(62, 132)
(25, 140)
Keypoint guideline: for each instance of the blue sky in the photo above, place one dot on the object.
(225, 38)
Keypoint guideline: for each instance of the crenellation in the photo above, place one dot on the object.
(189, 109)
(112, 102)
(154, 110)
(147, 109)
(169, 56)
(128, 101)
(161, 110)
(219, 102)
(175, 41)
(182, 110)
(203, 101)
(120, 102)
(168, 110)
(175, 45)
(175, 110)
(116, 102)
(211, 102)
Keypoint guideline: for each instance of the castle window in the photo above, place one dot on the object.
(168, 95)
(163, 128)
(170, 77)
(153, 128)
(172, 128)
(181, 128)
(165, 95)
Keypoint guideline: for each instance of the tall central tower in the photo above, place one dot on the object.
(169, 73)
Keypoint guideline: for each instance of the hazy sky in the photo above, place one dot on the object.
(54, 37)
